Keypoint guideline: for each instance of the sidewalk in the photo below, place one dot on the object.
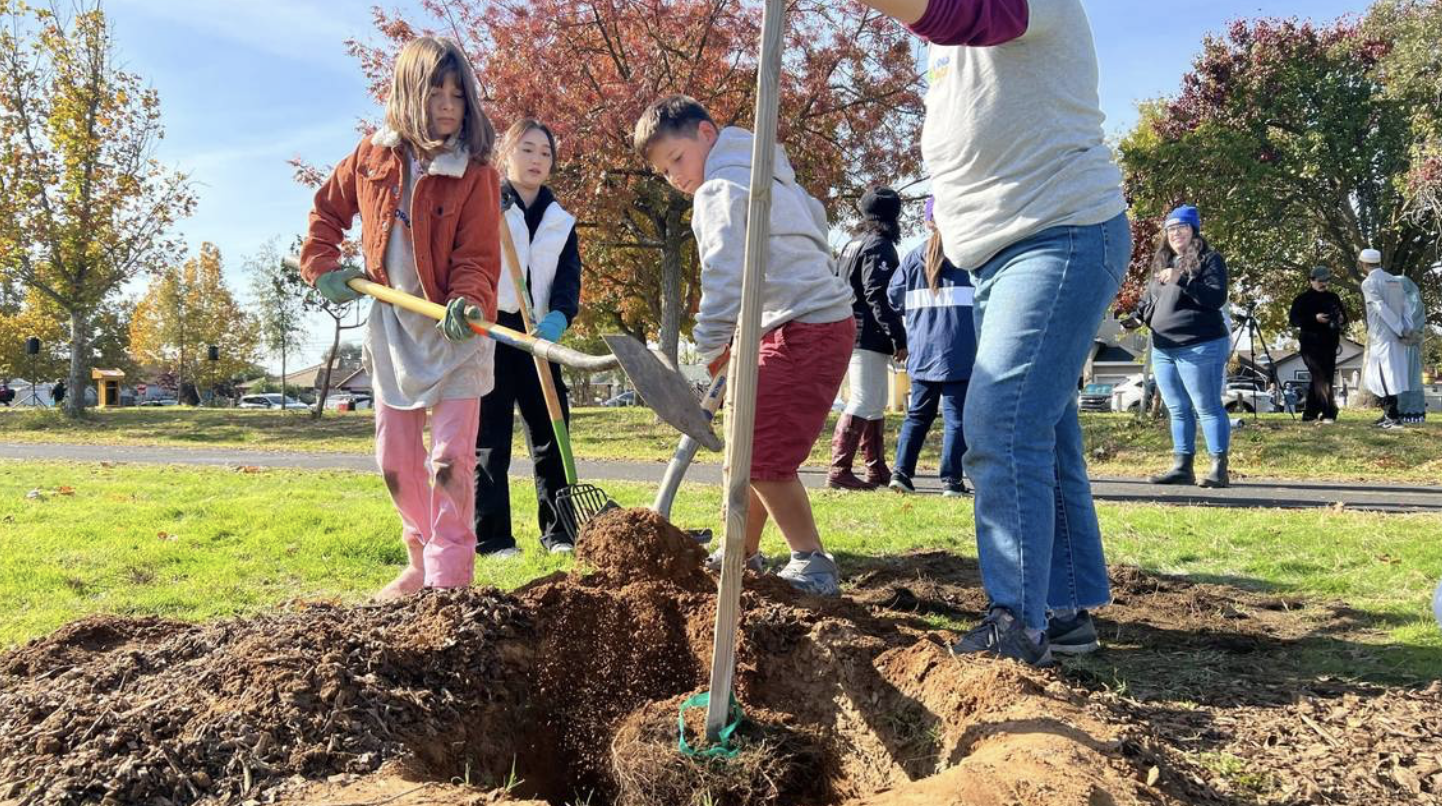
(1368, 496)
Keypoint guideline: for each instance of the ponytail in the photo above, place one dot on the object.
(935, 259)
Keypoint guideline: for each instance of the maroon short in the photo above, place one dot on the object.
(801, 369)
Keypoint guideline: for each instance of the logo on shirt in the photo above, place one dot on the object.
(939, 67)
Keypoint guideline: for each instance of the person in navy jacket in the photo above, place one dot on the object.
(935, 299)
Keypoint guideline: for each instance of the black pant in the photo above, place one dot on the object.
(1320, 356)
(517, 385)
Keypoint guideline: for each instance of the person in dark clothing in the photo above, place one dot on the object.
(937, 301)
(867, 264)
(1190, 344)
(57, 392)
(1319, 317)
(548, 250)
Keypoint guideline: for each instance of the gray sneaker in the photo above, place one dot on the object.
(901, 482)
(812, 572)
(1076, 635)
(1000, 634)
(756, 562)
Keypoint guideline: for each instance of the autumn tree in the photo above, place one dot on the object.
(285, 298)
(1285, 135)
(84, 205)
(851, 111)
(187, 310)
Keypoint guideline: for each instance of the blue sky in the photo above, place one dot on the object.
(245, 86)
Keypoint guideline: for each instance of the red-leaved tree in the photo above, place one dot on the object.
(851, 112)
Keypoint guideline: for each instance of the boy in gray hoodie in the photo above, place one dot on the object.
(805, 314)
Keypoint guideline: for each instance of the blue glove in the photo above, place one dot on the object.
(332, 285)
(551, 327)
(454, 326)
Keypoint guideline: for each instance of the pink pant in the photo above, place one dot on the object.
(436, 502)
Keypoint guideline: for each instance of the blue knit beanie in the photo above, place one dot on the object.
(1186, 214)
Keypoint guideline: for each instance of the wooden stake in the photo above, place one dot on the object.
(745, 350)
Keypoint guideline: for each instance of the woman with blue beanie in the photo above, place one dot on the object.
(935, 299)
(1190, 344)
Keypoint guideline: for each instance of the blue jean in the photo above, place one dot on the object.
(926, 398)
(1038, 305)
(1190, 379)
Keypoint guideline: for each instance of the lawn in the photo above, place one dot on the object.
(1271, 446)
(202, 543)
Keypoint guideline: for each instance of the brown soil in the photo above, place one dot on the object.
(567, 692)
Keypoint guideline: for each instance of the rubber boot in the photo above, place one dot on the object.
(1181, 472)
(873, 449)
(1218, 477)
(843, 450)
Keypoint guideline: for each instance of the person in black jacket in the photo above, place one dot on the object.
(866, 265)
(1319, 317)
(1190, 344)
(550, 256)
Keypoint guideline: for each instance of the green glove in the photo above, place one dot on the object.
(332, 285)
(455, 326)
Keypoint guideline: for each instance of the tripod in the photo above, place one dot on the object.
(1247, 322)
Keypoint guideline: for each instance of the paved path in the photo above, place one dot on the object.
(1244, 493)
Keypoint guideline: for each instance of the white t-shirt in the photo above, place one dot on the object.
(1013, 136)
(410, 362)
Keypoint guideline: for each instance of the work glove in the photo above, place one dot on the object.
(718, 365)
(455, 325)
(332, 285)
(551, 327)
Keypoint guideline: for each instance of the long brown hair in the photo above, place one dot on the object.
(1190, 259)
(422, 64)
(935, 260)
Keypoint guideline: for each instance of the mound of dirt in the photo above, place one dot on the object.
(116, 712)
(566, 692)
(640, 544)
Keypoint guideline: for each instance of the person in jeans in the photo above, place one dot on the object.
(1319, 317)
(935, 299)
(1029, 200)
(1190, 344)
(867, 265)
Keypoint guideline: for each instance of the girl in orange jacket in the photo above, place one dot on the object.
(429, 202)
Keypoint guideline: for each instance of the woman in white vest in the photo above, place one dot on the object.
(550, 257)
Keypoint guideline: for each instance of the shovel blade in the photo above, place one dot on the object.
(664, 390)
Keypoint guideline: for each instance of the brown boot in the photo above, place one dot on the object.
(843, 450)
(873, 448)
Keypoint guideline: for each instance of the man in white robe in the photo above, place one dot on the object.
(1386, 373)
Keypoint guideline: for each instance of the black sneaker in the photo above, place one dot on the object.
(901, 482)
(1000, 634)
(953, 489)
(1073, 636)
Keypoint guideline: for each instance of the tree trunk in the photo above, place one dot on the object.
(282, 371)
(325, 376)
(79, 347)
(671, 300)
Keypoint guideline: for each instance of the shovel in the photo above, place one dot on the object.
(663, 389)
(575, 504)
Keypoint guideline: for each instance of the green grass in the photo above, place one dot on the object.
(203, 543)
(1117, 445)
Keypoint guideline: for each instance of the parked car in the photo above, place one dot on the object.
(1127, 395)
(1095, 397)
(159, 401)
(1248, 396)
(626, 398)
(346, 401)
(272, 400)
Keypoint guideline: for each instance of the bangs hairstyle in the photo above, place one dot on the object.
(423, 64)
(513, 136)
(672, 116)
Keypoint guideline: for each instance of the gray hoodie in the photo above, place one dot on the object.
(800, 285)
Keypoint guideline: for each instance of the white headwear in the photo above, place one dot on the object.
(1371, 256)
